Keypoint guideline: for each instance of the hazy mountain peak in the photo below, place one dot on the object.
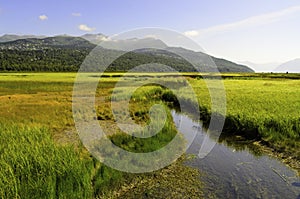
(13, 37)
(292, 66)
(261, 67)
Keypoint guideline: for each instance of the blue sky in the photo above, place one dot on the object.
(249, 30)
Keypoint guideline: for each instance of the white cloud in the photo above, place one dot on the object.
(191, 33)
(86, 28)
(248, 22)
(151, 36)
(76, 14)
(43, 17)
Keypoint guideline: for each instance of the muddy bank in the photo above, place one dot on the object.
(174, 181)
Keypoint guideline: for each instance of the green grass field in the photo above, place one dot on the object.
(42, 157)
(265, 107)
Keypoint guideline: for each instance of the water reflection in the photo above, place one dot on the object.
(232, 171)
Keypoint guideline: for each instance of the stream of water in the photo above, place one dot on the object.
(230, 172)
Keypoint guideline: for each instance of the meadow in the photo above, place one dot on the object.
(42, 156)
(266, 109)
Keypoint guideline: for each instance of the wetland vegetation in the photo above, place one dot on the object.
(42, 156)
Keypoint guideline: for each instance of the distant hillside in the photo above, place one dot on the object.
(8, 37)
(47, 54)
(264, 67)
(200, 60)
(291, 66)
(47, 43)
(65, 53)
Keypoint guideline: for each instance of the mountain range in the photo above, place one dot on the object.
(66, 53)
(9, 37)
(290, 66)
(261, 67)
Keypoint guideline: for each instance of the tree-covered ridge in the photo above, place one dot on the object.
(65, 53)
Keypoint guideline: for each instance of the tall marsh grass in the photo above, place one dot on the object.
(33, 166)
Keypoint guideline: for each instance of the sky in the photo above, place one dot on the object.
(250, 30)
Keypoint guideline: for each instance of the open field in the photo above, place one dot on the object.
(42, 157)
(266, 109)
(37, 129)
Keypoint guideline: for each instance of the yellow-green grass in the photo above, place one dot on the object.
(254, 101)
(260, 107)
(36, 114)
(267, 109)
(33, 166)
(41, 156)
(34, 94)
(37, 105)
